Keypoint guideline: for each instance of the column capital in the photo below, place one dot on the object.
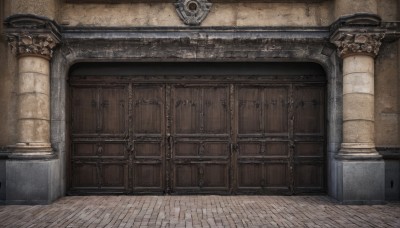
(30, 35)
(359, 34)
(358, 43)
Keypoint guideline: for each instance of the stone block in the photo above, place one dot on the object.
(107, 15)
(34, 82)
(47, 8)
(33, 130)
(358, 106)
(2, 180)
(358, 83)
(33, 64)
(358, 131)
(34, 106)
(361, 182)
(283, 14)
(392, 180)
(346, 7)
(166, 15)
(358, 64)
(222, 14)
(32, 181)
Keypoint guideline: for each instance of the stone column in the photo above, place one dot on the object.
(32, 170)
(33, 130)
(360, 170)
(358, 49)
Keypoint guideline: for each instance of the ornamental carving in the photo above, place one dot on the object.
(192, 12)
(358, 43)
(32, 35)
(28, 44)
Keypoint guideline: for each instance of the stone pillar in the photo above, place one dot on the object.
(358, 51)
(360, 169)
(33, 130)
(32, 168)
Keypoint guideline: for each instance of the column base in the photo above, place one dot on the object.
(360, 181)
(31, 151)
(358, 151)
(31, 181)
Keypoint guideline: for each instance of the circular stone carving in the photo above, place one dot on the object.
(192, 6)
(192, 12)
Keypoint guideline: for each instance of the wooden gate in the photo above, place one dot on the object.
(197, 135)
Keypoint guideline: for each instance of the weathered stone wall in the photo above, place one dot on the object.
(46, 8)
(348, 7)
(7, 86)
(387, 84)
(221, 14)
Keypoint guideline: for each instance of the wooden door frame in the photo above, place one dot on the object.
(277, 44)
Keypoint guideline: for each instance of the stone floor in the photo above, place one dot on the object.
(199, 211)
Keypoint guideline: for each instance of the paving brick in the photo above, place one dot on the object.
(199, 211)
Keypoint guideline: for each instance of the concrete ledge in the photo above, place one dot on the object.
(32, 181)
(361, 182)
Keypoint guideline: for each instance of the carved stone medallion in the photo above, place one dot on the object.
(192, 12)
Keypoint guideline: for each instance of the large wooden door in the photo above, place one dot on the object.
(182, 135)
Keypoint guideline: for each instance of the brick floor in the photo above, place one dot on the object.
(199, 211)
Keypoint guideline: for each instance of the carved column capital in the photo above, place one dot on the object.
(32, 44)
(357, 43)
(32, 35)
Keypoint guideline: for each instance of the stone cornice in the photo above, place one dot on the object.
(32, 35)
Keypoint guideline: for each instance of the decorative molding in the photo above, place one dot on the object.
(32, 35)
(32, 44)
(192, 12)
(389, 153)
(360, 34)
(349, 43)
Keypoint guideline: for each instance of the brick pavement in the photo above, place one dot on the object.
(199, 211)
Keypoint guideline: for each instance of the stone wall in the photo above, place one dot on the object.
(387, 84)
(7, 87)
(221, 14)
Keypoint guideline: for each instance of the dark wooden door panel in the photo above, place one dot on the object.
(185, 137)
(201, 148)
(100, 176)
(148, 176)
(276, 110)
(84, 110)
(256, 176)
(263, 145)
(99, 128)
(148, 109)
(200, 137)
(309, 110)
(113, 110)
(201, 177)
(147, 138)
